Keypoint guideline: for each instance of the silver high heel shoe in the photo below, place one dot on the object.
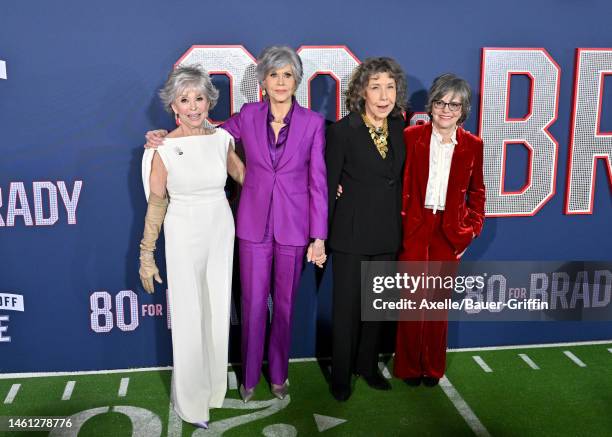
(280, 391)
(203, 424)
(245, 394)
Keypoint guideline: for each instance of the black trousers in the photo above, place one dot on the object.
(355, 344)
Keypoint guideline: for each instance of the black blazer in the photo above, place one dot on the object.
(366, 219)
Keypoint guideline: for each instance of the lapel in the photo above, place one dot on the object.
(260, 127)
(396, 141)
(458, 159)
(421, 158)
(299, 121)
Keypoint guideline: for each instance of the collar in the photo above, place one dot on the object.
(355, 120)
(439, 136)
(287, 118)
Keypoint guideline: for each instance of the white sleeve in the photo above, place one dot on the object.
(229, 139)
(147, 162)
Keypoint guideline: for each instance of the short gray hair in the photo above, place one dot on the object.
(188, 76)
(450, 83)
(274, 57)
(360, 78)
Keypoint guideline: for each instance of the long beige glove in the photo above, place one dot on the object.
(156, 211)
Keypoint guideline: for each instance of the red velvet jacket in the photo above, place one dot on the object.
(465, 197)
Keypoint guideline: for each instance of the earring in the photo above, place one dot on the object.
(263, 92)
(177, 120)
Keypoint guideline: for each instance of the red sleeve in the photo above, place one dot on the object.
(409, 138)
(476, 190)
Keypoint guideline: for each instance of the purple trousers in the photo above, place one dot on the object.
(267, 267)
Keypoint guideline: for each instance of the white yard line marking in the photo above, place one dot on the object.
(463, 408)
(610, 350)
(10, 397)
(384, 370)
(232, 381)
(530, 346)
(529, 361)
(68, 390)
(574, 358)
(85, 372)
(482, 364)
(294, 360)
(123, 387)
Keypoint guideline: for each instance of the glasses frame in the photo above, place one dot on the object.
(441, 104)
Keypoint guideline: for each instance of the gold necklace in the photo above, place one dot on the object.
(379, 135)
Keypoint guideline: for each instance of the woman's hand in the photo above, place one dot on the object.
(155, 138)
(316, 253)
(338, 191)
(148, 271)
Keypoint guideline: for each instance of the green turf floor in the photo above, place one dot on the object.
(558, 399)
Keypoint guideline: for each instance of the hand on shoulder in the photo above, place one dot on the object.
(155, 138)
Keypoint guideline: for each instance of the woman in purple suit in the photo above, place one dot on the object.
(282, 213)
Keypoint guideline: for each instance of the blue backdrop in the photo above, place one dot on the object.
(78, 84)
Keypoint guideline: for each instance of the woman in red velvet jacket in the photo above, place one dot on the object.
(443, 211)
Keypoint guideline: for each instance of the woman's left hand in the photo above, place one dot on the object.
(316, 253)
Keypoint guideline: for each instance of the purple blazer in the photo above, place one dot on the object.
(295, 192)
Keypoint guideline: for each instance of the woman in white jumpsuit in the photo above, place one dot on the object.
(191, 167)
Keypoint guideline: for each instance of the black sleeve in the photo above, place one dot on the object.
(334, 160)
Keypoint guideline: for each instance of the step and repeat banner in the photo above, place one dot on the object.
(78, 90)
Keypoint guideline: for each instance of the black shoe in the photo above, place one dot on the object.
(413, 382)
(340, 392)
(377, 381)
(430, 382)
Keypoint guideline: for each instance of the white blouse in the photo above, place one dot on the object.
(440, 157)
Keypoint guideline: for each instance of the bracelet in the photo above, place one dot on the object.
(146, 254)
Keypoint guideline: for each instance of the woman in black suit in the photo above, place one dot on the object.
(365, 154)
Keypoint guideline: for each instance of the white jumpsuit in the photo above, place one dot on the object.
(199, 237)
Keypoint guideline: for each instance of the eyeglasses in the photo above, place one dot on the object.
(453, 106)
